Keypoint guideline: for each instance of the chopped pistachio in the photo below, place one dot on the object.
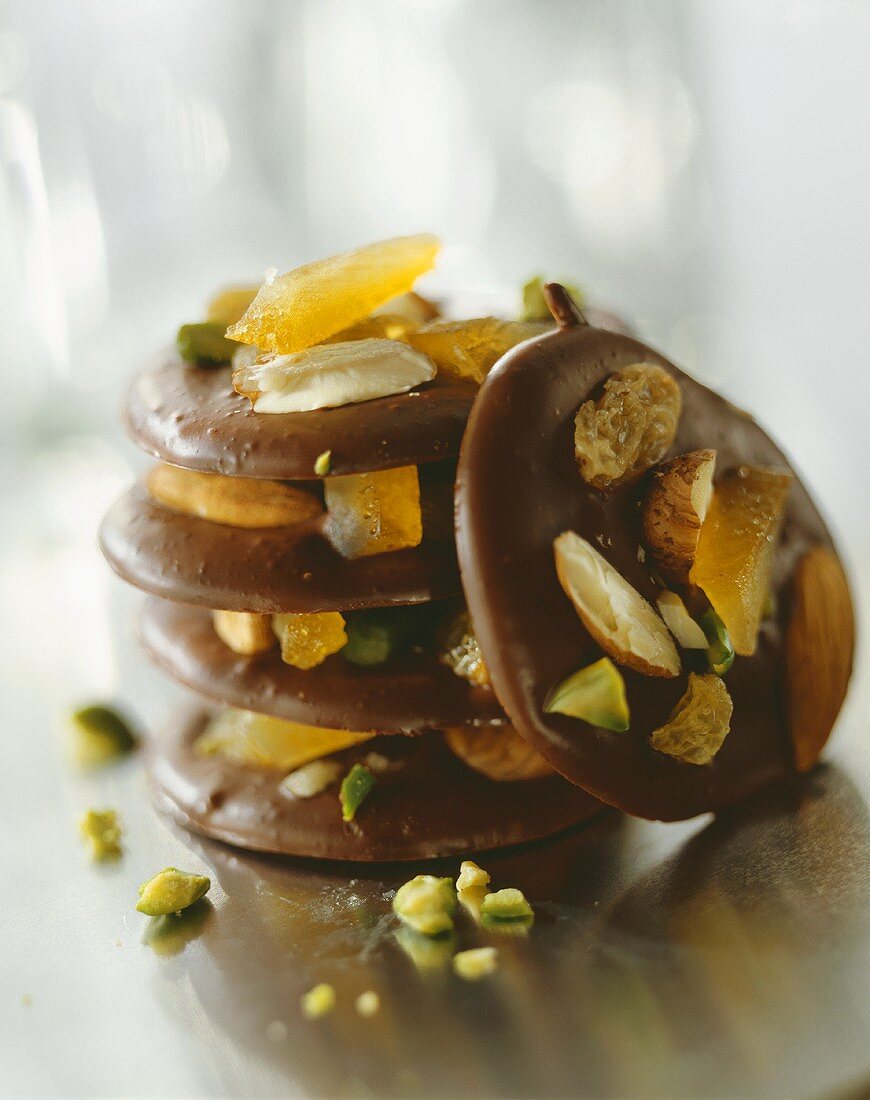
(355, 788)
(595, 693)
(204, 343)
(102, 830)
(475, 963)
(535, 304)
(374, 636)
(101, 735)
(368, 1003)
(471, 875)
(318, 1001)
(471, 900)
(509, 904)
(170, 891)
(426, 904)
(720, 651)
(323, 463)
(311, 778)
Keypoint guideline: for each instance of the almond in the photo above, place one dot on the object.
(819, 645)
(243, 631)
(613, 611)
(688, 633)
(499, 753)
(674, 510)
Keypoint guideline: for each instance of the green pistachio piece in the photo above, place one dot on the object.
(170, 891)
(595, 693)
(475, 963)
(205, 342)
(426, 904)
(355, 788)
(535, 304)
(374, 636)
(720, 652)
(509, 905)
(470, 875)
(318, 1001)
(101, 735)
(323, 463)
(102, 830)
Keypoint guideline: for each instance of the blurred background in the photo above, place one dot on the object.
(699, 167)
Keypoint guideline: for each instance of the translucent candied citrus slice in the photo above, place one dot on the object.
(470, 349)
(246, 737)
(736, 547)
(374, 512)
(310, 303)
(307, 640)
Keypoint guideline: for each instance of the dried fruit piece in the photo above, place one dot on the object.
(318, 1001)
(680, 623)
(307, 640)
(461, 652)
(699, 723)
(229, 305)
(310, 303)
(615, 614)
(383, 326)
(629, 428)
(311, 778)
(101, 735)
(499, 753)
(102, 830)
(170, 891)
(244, 631)
(331, 375)
(356, 786)
(674, 509)
(720, 652)
(259, 740)
(475, 963)
(469, 349)
(204, 343)
(819, 645)
(235, 501)
(375, 512)
(595, 693)
(735, 549)
(535, 306)
(426, 904)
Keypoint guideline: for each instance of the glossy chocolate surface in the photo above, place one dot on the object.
(519, 487)
(427, 804)
(408, 694)
(192, 417)
(272, 569)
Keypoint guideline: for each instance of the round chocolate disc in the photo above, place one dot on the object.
(407, 694)
(426, 803)
(192, 417)
(268, 569)
(519, 487)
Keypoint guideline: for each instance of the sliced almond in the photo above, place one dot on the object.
(613, 611)
(499, 754)
(674, 510)
(235, 501)
(688, 633)
(243, 631)
(819, 646)
(330, 375)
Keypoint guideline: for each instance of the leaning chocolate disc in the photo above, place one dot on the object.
(192, 417)
(267, 569)
(518, 488)
(427, 803)
(408, 694)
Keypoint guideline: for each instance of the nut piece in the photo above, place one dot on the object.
(331, 375)
(680, 623)
(674, 510)
(356, 786)
(615, 614)
(311, 779)
(102, 830)
(244, 632)
(498, 753)
(368, 1004)
(595, 694)
(819, 645)
(170, 891)
(100, 735)
(235, 501)
(629, 428)
(470, 876)
(699, 723)
(507, 905)
(475, 963)
(426, 904)
(318, 1001)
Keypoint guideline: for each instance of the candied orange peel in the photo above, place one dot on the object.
(470, 349)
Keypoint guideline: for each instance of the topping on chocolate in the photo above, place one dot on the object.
(595, 693)
(323, 463)
(356, 786)
(461, 651)
(720, 652)
(688, 633)
(471, 876)
(243, 631)
(674, 509)
(535, 307)
(613, 611)
(475, 963)
(229, 304)
(469, 349)
(629, 428)
(499, 753)
(506, 905)
(311, 779)
(204, 344)
(375, 512)
(426, 904)
(235, 501)
(699, 723)
(331, 375)
(307, 640)
(736, 547)
(318, 1002)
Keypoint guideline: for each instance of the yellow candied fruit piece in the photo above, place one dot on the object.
(461, 652)
(736, 546)
(699, 723)
(305, 306)
(470, 349)
(245, 737)
(373, 513)
(307, 640)
(228, 305)
(380, 326)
